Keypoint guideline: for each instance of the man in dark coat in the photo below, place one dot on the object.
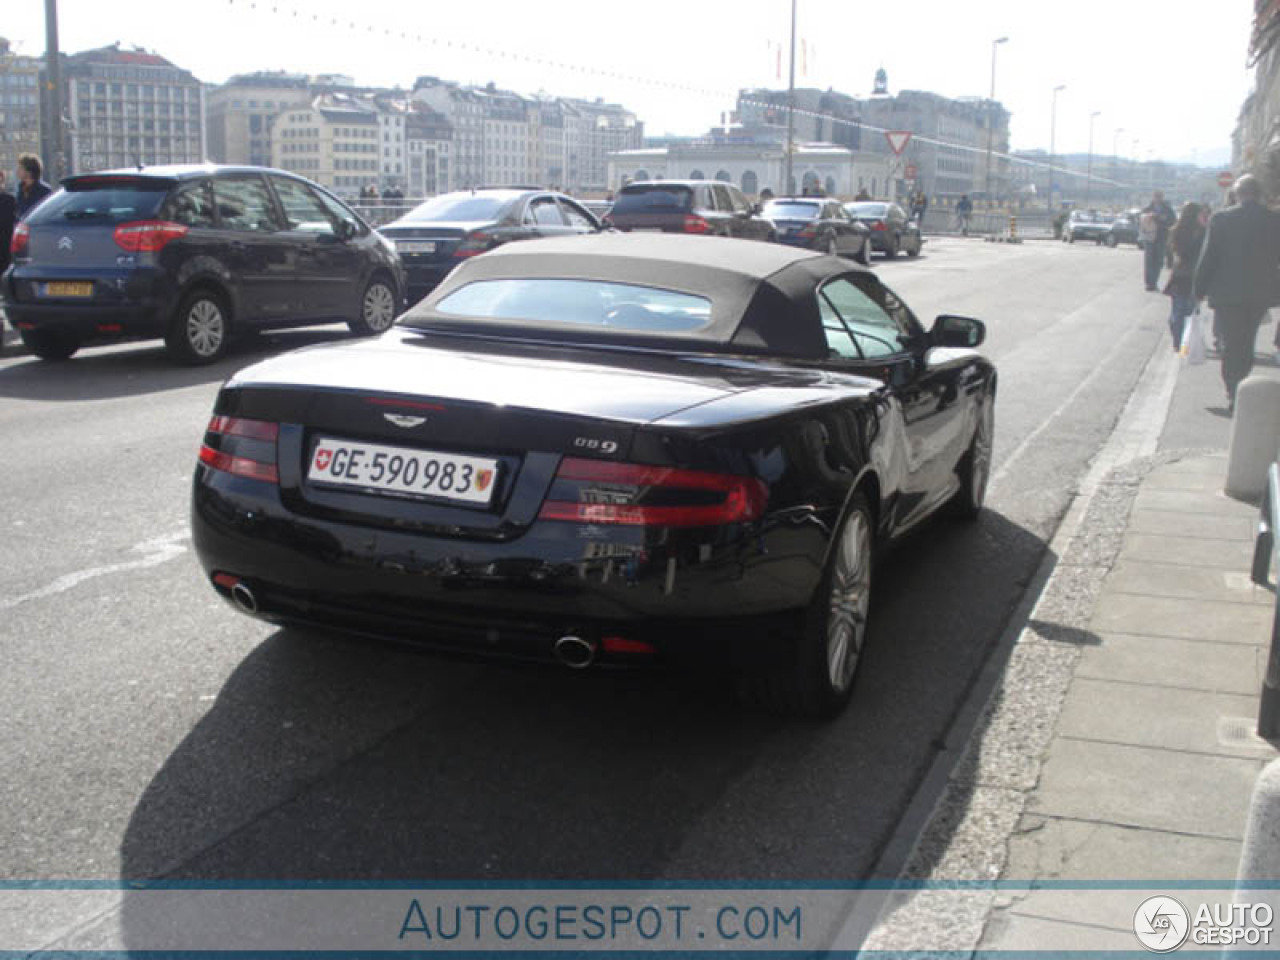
(31, 189)
(1239, 271)
(1160, 216)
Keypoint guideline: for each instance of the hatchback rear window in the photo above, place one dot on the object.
(867, 209)
(658, 198)
(459, 208)
(117, 203)
(792, 211)
(598, 304)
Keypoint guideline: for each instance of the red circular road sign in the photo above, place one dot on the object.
(1225, 179)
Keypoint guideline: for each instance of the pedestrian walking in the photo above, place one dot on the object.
(1156, 219)
(964, 210)
(31, 189)
(1185, 242)
(8, 217)
(919, 206)
(1239, 273)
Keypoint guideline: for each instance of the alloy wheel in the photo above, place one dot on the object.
(378, 310)
(982, 452)
(849, 601)
(206, 328)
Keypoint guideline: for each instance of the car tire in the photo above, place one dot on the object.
(974, 470)
(891, 248)
(863, 256)
(51, 345)
(833, 248)
(200, 331)
(377, 309)
(914, 250)
(819, 677)
(1111, 240)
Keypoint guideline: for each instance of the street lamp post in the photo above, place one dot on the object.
(1088, 177)
(991, 108)
(1115, 160)
(791, 111)
(1053, 132)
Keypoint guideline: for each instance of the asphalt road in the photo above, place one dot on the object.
(150, 731)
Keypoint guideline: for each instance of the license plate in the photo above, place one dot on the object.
(68, 289)
(416, 246)
(419, 473)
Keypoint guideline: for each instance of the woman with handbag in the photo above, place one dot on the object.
(1185, 242)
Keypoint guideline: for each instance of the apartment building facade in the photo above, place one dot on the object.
(20, 123)
(242, 112)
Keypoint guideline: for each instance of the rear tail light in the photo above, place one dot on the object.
(638, 495)
(473, 243)
(245, 448)
(694, 224)
(878, 225)
(808, 232)
(148, 236)
(21, 234)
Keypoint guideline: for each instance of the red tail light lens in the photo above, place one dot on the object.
(694, 224)
(245, 448)
(878, 225)
(148, 236)
(808, 233)
(631, 494)
(21, 234)
(473, 243)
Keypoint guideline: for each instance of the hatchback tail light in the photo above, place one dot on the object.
(245, 448)
(879, 225)
(693, 224)
(21, 234)
(477, 241)
(638, 495)
(148, 236)
(808, 232)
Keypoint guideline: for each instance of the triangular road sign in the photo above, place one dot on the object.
(898, 140)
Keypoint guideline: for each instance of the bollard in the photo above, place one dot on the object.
(1255, 437)
(1260, 854)
(1013, 228)
(1264, 555)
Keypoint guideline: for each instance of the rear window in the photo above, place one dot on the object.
(460, 208)
(791, 211)
(657, 198)
(867, 209)
(598, 304)
(114, 203)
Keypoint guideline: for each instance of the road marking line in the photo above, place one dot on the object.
(157, 550)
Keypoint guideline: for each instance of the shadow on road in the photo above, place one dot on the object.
(129, 370)
(327, 760)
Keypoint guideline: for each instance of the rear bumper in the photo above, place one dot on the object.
(140, 308)
(511, 598)
(421, 279)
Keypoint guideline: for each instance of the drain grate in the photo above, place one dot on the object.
(1241, 733)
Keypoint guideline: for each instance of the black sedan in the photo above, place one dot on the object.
(604, 450)
(436, 236)
(892, 231)
(817, 224)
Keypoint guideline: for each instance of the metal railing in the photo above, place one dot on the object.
(1265, 556)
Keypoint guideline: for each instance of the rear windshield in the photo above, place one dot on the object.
(598, 304)
(459, 208)
(117, 203)
(655, 198)
(867, 209)
(791, 211)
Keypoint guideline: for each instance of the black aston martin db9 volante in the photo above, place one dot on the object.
(611, 449)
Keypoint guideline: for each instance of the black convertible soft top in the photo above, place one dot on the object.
(761, 294)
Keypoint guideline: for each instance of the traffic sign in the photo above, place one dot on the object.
(911, 171)
(1225, 179)
(898, 140)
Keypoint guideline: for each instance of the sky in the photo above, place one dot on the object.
(1170, 76)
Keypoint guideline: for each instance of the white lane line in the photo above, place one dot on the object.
(155, 551)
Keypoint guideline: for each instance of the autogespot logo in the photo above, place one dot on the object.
(1161, 924)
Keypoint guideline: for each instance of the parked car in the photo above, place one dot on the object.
(818, 224)
(891, 229)
(619, 449)
(1086, 225)
(436, 236)
(194, 254)
(707, 207)
(1124, 229)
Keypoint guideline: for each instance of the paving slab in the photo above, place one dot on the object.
(1146, 787)
(1190, 619)
(1014, 932)
(1174, 523)
(1221, 554)
(1209, 482)
(1172, 662)
(1181, 581)
(1195, 502)
(1145, 716)
(1205, 464)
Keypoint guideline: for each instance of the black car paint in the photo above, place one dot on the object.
(720, 205)
(899, 234)
(831, 227)
(499, 580)
(269, 279)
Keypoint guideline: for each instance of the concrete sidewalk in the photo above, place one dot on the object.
(1118, 746)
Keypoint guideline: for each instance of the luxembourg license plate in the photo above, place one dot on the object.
(399, 470)
(416, 246)
(63, 288)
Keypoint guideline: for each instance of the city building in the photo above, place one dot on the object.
(128, 107)
(242, 112)
(19, 106)
(429, 148)
(335, 140)
(1256, 140)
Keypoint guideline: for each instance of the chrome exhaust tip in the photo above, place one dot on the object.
(244, 598)
(575, 652)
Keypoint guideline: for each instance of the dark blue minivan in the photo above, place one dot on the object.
(194, 254)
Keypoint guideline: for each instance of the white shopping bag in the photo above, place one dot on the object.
(1193, 346)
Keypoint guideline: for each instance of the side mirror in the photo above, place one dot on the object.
(756, 209)
(953, 331)
(346, 230)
